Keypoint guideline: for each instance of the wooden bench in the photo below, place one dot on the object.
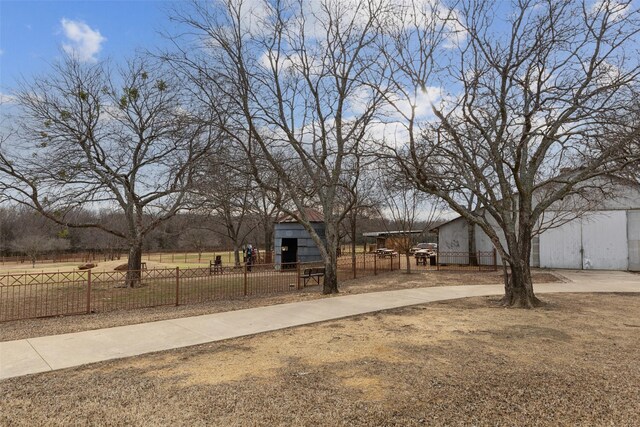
(314, 273)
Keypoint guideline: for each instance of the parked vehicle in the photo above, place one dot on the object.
(424, 246)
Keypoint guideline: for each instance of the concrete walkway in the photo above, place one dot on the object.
(33, 355)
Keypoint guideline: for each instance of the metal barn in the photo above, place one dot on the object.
(607, 238)
(293, 243)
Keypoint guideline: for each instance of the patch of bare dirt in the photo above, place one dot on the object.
(31, 328)
(463, 362)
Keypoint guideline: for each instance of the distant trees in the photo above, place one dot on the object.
(90, 138)
(33, 245)
(29, 234)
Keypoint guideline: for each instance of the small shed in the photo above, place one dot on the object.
(293, 243)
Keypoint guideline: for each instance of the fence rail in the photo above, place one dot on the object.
(32, 295)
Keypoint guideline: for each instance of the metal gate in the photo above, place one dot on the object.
(633, 236)
(601, 240)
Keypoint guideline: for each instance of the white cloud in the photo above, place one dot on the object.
(616, 9)
(7, 99)
(84, 42)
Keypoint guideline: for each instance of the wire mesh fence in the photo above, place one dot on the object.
(31, 295)
(454, 261)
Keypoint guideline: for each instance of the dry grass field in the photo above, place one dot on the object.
(463, 362)
(51, 267)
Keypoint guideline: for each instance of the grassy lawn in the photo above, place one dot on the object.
(464, 362)
(52, 267)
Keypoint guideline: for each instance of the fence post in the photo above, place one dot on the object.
(298, 274)
(177, 286)
(89, 291)
(245, 279)
(364, 262)
(375, 264)
(495, 261)
(438, 256)
(478, 261)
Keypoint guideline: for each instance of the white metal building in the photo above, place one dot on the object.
(607, 238)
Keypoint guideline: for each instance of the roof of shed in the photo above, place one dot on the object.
(390, 233)
(311, 214)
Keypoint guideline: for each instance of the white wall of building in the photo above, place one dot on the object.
(560, 247)
(453, 236)
(603, 240)
(633, 239)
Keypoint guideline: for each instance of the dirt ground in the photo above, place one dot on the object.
(30, 328)
(463, 362)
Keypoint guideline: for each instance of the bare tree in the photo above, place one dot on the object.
(86, 139)
(358, 192)
(300, 78)
(198, 239)
(538, 104)
(265, 211)
(224, 186)
(406, 208)
(36, 244)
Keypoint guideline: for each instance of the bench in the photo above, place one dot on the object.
(314, 273)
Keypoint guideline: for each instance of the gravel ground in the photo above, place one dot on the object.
(462, 362)
(31, 328)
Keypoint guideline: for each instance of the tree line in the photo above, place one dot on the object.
(498, 111)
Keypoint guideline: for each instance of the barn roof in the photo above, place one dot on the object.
(311, 214)
(390, 233)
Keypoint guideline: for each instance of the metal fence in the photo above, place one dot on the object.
(31, 295)
(458, 261)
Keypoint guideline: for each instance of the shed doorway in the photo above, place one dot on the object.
(289, 253)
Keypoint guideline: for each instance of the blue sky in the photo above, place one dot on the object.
(34, 33)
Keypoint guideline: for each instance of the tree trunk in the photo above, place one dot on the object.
(331, 261)
(519, 286)
(354, 257)
(268, 237)
(236, 254)
(408, 255)
(330, 285)
(134, 265)
(471, 236)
